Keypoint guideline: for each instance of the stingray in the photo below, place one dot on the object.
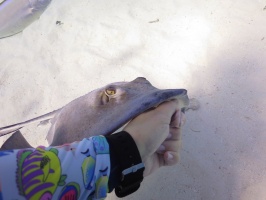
(15, 15)
(100, 112)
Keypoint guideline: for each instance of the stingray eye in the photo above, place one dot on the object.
(110, 91)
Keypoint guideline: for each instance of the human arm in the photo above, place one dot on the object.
(157, 136)
(71, 168)
(77, 171)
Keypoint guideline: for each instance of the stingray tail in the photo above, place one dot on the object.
(9, 129)
(15, 127)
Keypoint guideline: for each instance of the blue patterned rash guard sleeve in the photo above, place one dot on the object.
(79, 170)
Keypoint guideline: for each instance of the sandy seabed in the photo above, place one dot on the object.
(214, 49)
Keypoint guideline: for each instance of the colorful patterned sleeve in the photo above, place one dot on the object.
(79, 170)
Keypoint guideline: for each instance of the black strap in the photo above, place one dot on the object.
(124, 154)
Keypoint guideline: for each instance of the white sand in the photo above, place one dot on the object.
(215, 50)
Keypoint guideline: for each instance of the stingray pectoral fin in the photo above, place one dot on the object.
(16, 15)
(16, 141)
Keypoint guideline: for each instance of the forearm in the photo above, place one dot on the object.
(79, 169)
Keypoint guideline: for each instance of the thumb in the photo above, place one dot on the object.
(168, 108)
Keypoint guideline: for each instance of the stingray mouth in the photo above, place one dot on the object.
(154, 99)
(171, 93)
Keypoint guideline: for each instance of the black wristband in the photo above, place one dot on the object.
(126, 165)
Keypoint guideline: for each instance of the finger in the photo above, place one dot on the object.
(168, 108)
(171, 158)
(161, 149)
(170, 145)
(182, 120)
(178, 119)
(176, 132)
(175, 119)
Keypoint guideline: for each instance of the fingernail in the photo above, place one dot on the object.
(161, 148)
(170, 156)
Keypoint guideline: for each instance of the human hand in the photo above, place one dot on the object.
(157, 134)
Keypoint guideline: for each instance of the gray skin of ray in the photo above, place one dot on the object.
(16, 15)
(98, 113)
